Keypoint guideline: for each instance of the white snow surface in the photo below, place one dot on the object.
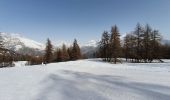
(91, 43)
(16, 41)
(20, 63)
(89, 79)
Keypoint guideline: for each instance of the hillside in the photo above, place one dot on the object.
(16, 42)
(86, 80)
(24, 45)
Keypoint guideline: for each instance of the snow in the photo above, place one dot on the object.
(89, 79)
(32, 43)
(91, 43)
(20, 63)
(16, 41)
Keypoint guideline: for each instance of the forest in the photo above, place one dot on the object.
(141, 45)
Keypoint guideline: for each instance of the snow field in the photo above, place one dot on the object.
(86, 80)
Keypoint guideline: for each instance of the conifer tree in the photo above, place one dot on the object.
(2, 52)
(76, 53)
(143, 44)
(115, 43)
(59, 55)
(126, 46)
(48, 52)
(146, 43)
(69, 51)
(1, 42)
(155, 45)
(65, 55)
(138, 39)
(104, 46)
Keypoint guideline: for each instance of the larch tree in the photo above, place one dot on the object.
(127, 46)
(155, 45)
(138, 39)
(1, 42)
(59, 55)
(69, 51)
(2, 52)
(147, 43)
(115, 44)
(76, 53)
(48, 52)
(65, 55)
(104, 46)
(143, 45)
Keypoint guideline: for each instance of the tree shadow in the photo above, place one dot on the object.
(70, 85)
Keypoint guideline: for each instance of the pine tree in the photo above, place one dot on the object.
(138, 39)
(115, 43)
(104, 46)
(126, 46)
(155, 45)
(65, 55)
(59, 55)
(48, 52)
(75, 52)
(69, 50)
(143, 44)
(1, 42)
(2, 52)
(147, 43)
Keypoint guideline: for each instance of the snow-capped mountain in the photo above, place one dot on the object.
(16, 42)
(89, 48)
(24, 45)
(166, 41)
(91, 43)
(20, 44)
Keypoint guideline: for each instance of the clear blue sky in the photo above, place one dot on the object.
(81, 19)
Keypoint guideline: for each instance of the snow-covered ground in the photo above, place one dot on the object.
(86, 80)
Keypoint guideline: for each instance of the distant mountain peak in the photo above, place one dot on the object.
(91, 43)
(15, 42)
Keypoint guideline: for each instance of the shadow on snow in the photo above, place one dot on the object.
(70, 85)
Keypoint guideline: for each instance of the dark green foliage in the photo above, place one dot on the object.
(65, 54)
(104, 46)
(75, 51)
(48, 52)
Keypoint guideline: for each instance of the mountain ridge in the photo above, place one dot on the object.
(18, 43)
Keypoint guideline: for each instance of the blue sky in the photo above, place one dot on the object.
(64, 20)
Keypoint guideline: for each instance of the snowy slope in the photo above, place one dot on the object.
(16, 42)
(91, 43)
(89, 48)
(86, 80)
(165, 41)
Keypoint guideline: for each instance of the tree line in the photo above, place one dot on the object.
(51, 54)
(109, 46)
(6, 56)
(61, 54)
(141, 45)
